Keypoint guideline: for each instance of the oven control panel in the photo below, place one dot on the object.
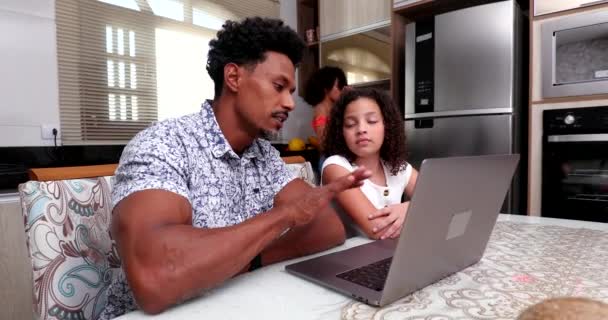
(576, 120)
(569, 119)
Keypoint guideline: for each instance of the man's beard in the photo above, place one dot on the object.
(269, 135)
(265, 134)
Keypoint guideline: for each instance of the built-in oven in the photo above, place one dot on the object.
(575, 164)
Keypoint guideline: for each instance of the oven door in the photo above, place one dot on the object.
(575, 177)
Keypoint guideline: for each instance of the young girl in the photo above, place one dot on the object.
(366, 129)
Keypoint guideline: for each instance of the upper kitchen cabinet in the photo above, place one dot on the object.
(339, 18)
(365, 57)
(308, 28)
(551, 6)
(398, 4)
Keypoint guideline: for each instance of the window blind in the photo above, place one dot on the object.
(126, 63)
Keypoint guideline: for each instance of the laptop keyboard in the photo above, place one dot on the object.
(370, 276)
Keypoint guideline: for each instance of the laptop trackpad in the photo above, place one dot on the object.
(389, 244)
(327, 265)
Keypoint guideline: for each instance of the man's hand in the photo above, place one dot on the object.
(306, 208)
(388, 221)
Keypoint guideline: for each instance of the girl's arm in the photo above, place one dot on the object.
(353, 201)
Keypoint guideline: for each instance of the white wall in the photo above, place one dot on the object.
(298, 123)
(28, 74)
(28, 71)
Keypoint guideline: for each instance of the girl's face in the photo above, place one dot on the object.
(363, 127)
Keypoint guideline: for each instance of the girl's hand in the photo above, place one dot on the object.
(387, 222)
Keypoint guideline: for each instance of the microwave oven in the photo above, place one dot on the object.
(574, 51)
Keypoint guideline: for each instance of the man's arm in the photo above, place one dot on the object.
(166, 260)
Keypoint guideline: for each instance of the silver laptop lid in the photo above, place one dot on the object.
(449, 221)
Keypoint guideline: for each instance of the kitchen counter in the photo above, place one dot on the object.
(9, 195)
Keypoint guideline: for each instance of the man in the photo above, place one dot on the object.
(201, 198)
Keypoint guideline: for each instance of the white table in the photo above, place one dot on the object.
(528, 259)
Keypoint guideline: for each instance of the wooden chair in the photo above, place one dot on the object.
(66, 173)
(71, 206)
(294, 159)
(301, 169)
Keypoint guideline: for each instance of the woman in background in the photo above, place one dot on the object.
(322, 91)
(366, 129)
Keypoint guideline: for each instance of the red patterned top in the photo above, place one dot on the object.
(319, 121)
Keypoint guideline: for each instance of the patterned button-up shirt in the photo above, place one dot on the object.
(191, 157)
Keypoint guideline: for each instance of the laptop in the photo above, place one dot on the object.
(449, 221)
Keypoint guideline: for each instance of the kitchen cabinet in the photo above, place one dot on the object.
(398, 4)
(547, 11)
(308, 28)
(551, 6)
(339, 18)
(364, 57)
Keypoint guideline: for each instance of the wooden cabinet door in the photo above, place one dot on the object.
(15, 265)
(550, 6)
(344, 17)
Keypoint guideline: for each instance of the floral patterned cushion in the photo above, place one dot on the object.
(73, 255)
(304, 171)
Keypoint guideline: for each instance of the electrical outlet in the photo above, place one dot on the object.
(47, 131)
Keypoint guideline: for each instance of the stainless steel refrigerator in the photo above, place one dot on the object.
(466, 88)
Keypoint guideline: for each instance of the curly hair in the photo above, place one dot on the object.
(322, 81)
(393, 151)
(246, 43)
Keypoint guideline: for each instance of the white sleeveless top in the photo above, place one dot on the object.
(379, 196)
